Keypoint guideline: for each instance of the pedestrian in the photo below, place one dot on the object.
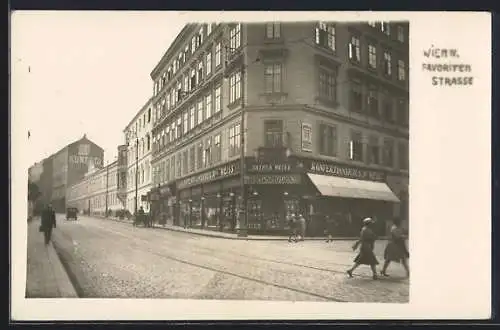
(48, 222)
(302, 225)
(396, 248)
(330, 225)
(365, 255)
(292, 223)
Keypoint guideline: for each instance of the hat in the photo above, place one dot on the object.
(367, 221)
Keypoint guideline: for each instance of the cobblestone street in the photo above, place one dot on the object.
(109, 259)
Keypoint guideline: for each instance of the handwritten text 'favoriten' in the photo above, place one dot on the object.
(449, 73)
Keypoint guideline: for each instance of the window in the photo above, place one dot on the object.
(209, 29)
(356, 97)
(149, 115)
(186, 83)
(199, 37)
(193, 79)
(386, 28)
(186, 53)
(166, 103)
(354, 49)
(273, 30)
(327, 84)
(401, 34)
(373, 150)
(173, 132)
(193, 44)
(192, 154)
(144, 120)
(356, 146)
(148, 143)
(178, 165)
(372, 56)
(208, 61)
(273, 133)
(402, 112)
(179, 127)
(185, 117)
(401, 70)
(185, 162)
(217, 154)
(218, 54)
(373, 103)
(192, 117)
(387, 63)
(218, 99)
(200, 71)
(199, 156)
(403, 155)
(200, 111)
(328, 140)
(208, 106)
(234, 140)
(169, 169)
(388, 153)
(325, 35)
(272, 78)
(179, 91)
(166, 137)
(207, 157)
(234, 87)
(388, 109)
(235, 37)
(176, 66)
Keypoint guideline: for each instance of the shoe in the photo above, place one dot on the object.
(375, 277)
(384, 274)
(349, 272)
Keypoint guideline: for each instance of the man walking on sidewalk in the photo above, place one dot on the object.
(48, 222)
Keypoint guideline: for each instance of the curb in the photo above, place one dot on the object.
(64, 283)
(263, 238)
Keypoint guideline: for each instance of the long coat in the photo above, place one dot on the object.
(48, 219)
(301, 226)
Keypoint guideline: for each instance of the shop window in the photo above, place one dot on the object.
(373, 150)
(356, 97)
(356, 146)
(234, 140)
(388, 152)
(328, 140)
(273, 131)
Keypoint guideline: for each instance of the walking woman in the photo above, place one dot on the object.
(365, 255)
(396, 248)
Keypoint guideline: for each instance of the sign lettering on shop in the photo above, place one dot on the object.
(266, 168)
(216, 173)
(273, 179)
(344, 171)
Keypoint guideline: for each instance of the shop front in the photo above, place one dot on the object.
(161, 207)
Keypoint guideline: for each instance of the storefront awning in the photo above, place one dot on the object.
(351, 188)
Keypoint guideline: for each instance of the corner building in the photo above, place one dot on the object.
(325, 109)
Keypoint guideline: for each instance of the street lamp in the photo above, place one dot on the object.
(132, 134)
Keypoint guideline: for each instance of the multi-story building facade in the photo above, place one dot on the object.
(324, 108)
(139, 174)
(101, 190)
(35, 172)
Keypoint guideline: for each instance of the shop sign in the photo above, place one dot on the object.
(273, 179)
(306, 137)
(214, 174)
(269, 168)
(345, 171)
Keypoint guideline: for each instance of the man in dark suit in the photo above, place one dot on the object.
(48, 222)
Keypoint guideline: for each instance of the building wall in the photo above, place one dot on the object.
(35, 172)
(139, 157)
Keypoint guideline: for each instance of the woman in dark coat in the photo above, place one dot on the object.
(365, 255)
(396, 248)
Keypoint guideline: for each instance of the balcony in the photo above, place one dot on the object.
(276, 146)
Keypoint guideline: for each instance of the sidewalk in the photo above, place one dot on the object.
(226, 235)
(46, 276)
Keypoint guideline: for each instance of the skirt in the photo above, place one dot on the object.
(366, 257)
(395, 252)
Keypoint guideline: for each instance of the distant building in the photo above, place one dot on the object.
(101, 189)
(139, 143)
(35, 172)
(325, 124)
(65, 167)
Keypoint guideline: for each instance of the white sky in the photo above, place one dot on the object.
(89, 73)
